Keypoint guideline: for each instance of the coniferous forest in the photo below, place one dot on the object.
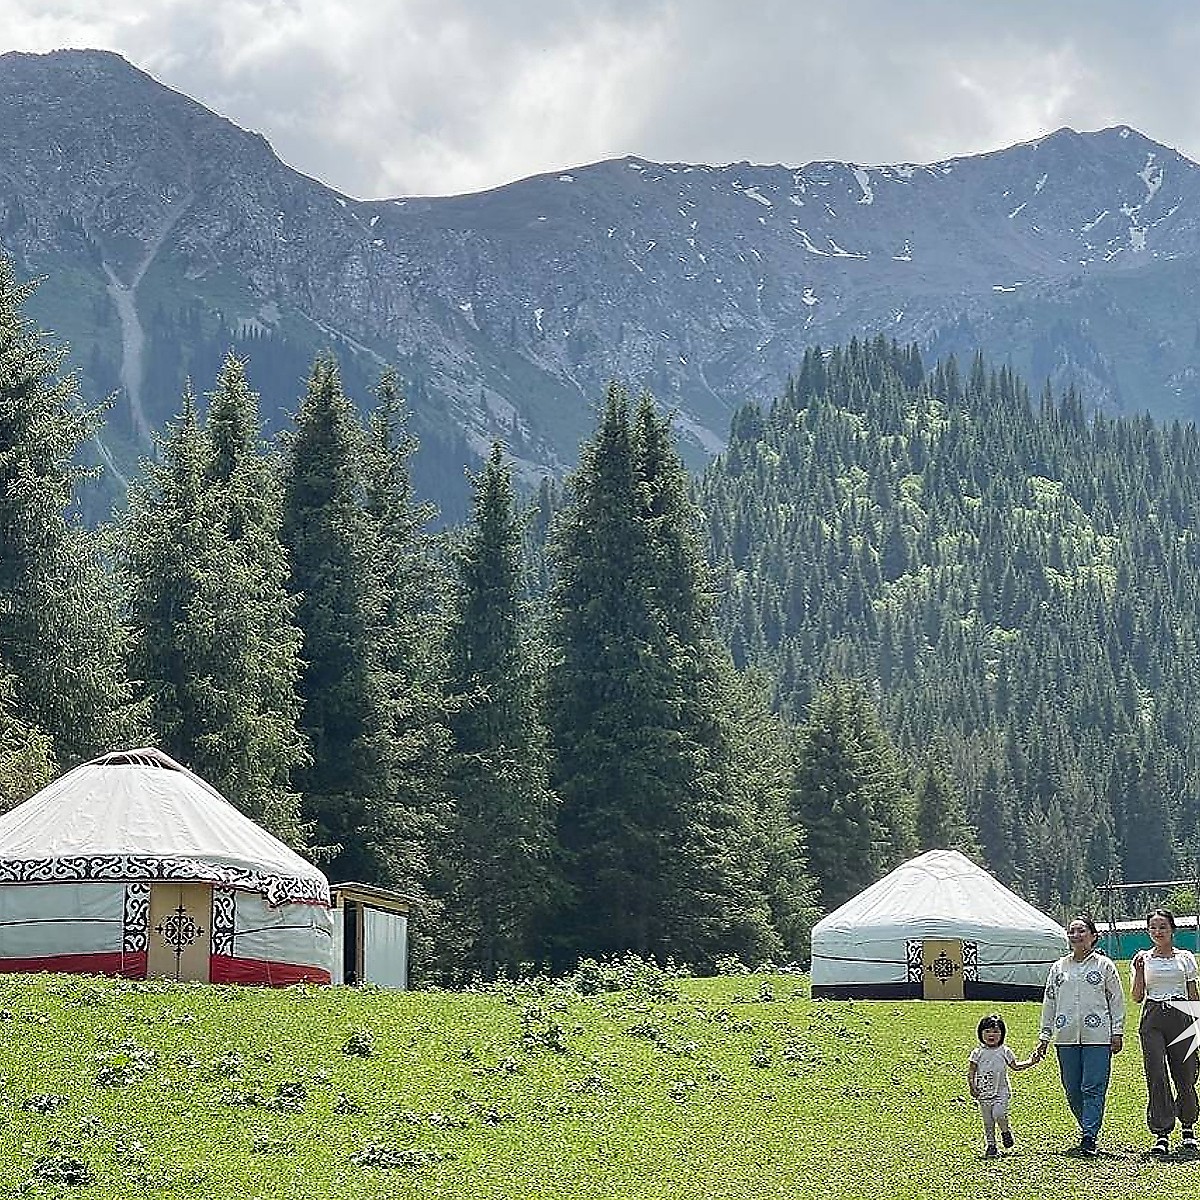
(911, 606)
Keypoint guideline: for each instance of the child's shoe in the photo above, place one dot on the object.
(991, 1152)
(1161, 1147)
(1006, 1139)
(1189, 1140)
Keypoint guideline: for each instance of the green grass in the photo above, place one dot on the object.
(732, 1087)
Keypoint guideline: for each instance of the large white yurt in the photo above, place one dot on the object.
(132, 865)
(937, 927)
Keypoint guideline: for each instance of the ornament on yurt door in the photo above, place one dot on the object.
(942, 969)
(180, 931)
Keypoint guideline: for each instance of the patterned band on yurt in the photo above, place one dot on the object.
(132, 865)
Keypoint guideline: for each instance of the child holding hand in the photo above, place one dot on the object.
(987, 1077)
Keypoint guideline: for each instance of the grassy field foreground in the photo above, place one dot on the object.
(729, 1087)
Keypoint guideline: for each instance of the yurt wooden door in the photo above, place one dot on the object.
(180, 931)
(942, 969)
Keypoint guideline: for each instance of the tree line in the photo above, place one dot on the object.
(552, 762)
(905, 609)
(1011, 579)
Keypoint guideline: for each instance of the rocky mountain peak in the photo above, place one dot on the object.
(167, 234)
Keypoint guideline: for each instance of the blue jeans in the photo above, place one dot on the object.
(1084, 1071)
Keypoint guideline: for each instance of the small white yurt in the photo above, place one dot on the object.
(937, 927)
(132, 865)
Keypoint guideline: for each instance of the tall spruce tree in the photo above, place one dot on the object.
(171, 543)
(61, 634)
(942, 822)
(849, 793)
(407, 579)
(26, 755)
(347, 787)
(765, 750)
(498, 868)
(216, 645)
(640, 759)
(722, 874)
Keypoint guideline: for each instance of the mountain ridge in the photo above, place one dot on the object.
(166, 232)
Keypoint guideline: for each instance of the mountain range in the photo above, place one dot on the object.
(164, 235)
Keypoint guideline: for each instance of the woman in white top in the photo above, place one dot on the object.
(1083, 1014)
(1162, 976)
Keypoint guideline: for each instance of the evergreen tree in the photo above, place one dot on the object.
(347, 787)
(765, 749)
(498, 874)
(641, 760)
(407, 581)
(721, 877)
(260, 743)
(215, 643)
(61, 636)
(26, 757)
(942, 822)
(849, 794)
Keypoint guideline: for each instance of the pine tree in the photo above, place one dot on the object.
(765, 749)
(259, 743)
(61, 635)
(498, 874)
(347, 787)
(721, 880)
(26, 756)
(849, 794)
(942, 822)
(407, 579)
(641, 760)
(215, 642)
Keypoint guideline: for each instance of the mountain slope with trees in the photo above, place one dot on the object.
(1013, 583)
(906, 608)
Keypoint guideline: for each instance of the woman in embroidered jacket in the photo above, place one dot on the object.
(1083, 1013)
(1162, 977)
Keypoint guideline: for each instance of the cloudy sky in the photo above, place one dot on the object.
(382, 98)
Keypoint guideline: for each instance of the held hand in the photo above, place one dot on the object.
(1118, 1043)
(1139, 961)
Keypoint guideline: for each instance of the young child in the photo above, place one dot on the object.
(987, 1077)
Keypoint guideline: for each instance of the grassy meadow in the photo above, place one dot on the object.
(737, 1086)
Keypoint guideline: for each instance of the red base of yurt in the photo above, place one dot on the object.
(222, 969)
(128, 966)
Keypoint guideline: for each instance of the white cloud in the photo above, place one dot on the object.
(395, 97)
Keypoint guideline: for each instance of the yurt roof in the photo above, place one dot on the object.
(140, 814)
(939, 886)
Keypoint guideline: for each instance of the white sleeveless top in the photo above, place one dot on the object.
(1167, 978)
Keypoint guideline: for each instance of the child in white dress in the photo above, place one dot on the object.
(987, 1077)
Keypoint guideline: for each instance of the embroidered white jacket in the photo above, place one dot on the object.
(1084, 1003)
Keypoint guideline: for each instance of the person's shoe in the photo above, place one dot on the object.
(1087, 1146)
(1162, 1147)
(1006, 1139)
(1189, 1140)
(991, 1152)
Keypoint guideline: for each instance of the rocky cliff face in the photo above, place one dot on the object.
(166, 233)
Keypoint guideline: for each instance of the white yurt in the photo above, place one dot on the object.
(132, 865)
(937, 927)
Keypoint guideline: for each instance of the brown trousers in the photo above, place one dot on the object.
(1159, 1027)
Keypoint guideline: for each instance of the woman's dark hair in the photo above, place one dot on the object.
(1085, 920)
(1165, 913)
(991, 1021)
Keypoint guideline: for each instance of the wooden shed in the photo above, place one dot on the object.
(370, 935)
